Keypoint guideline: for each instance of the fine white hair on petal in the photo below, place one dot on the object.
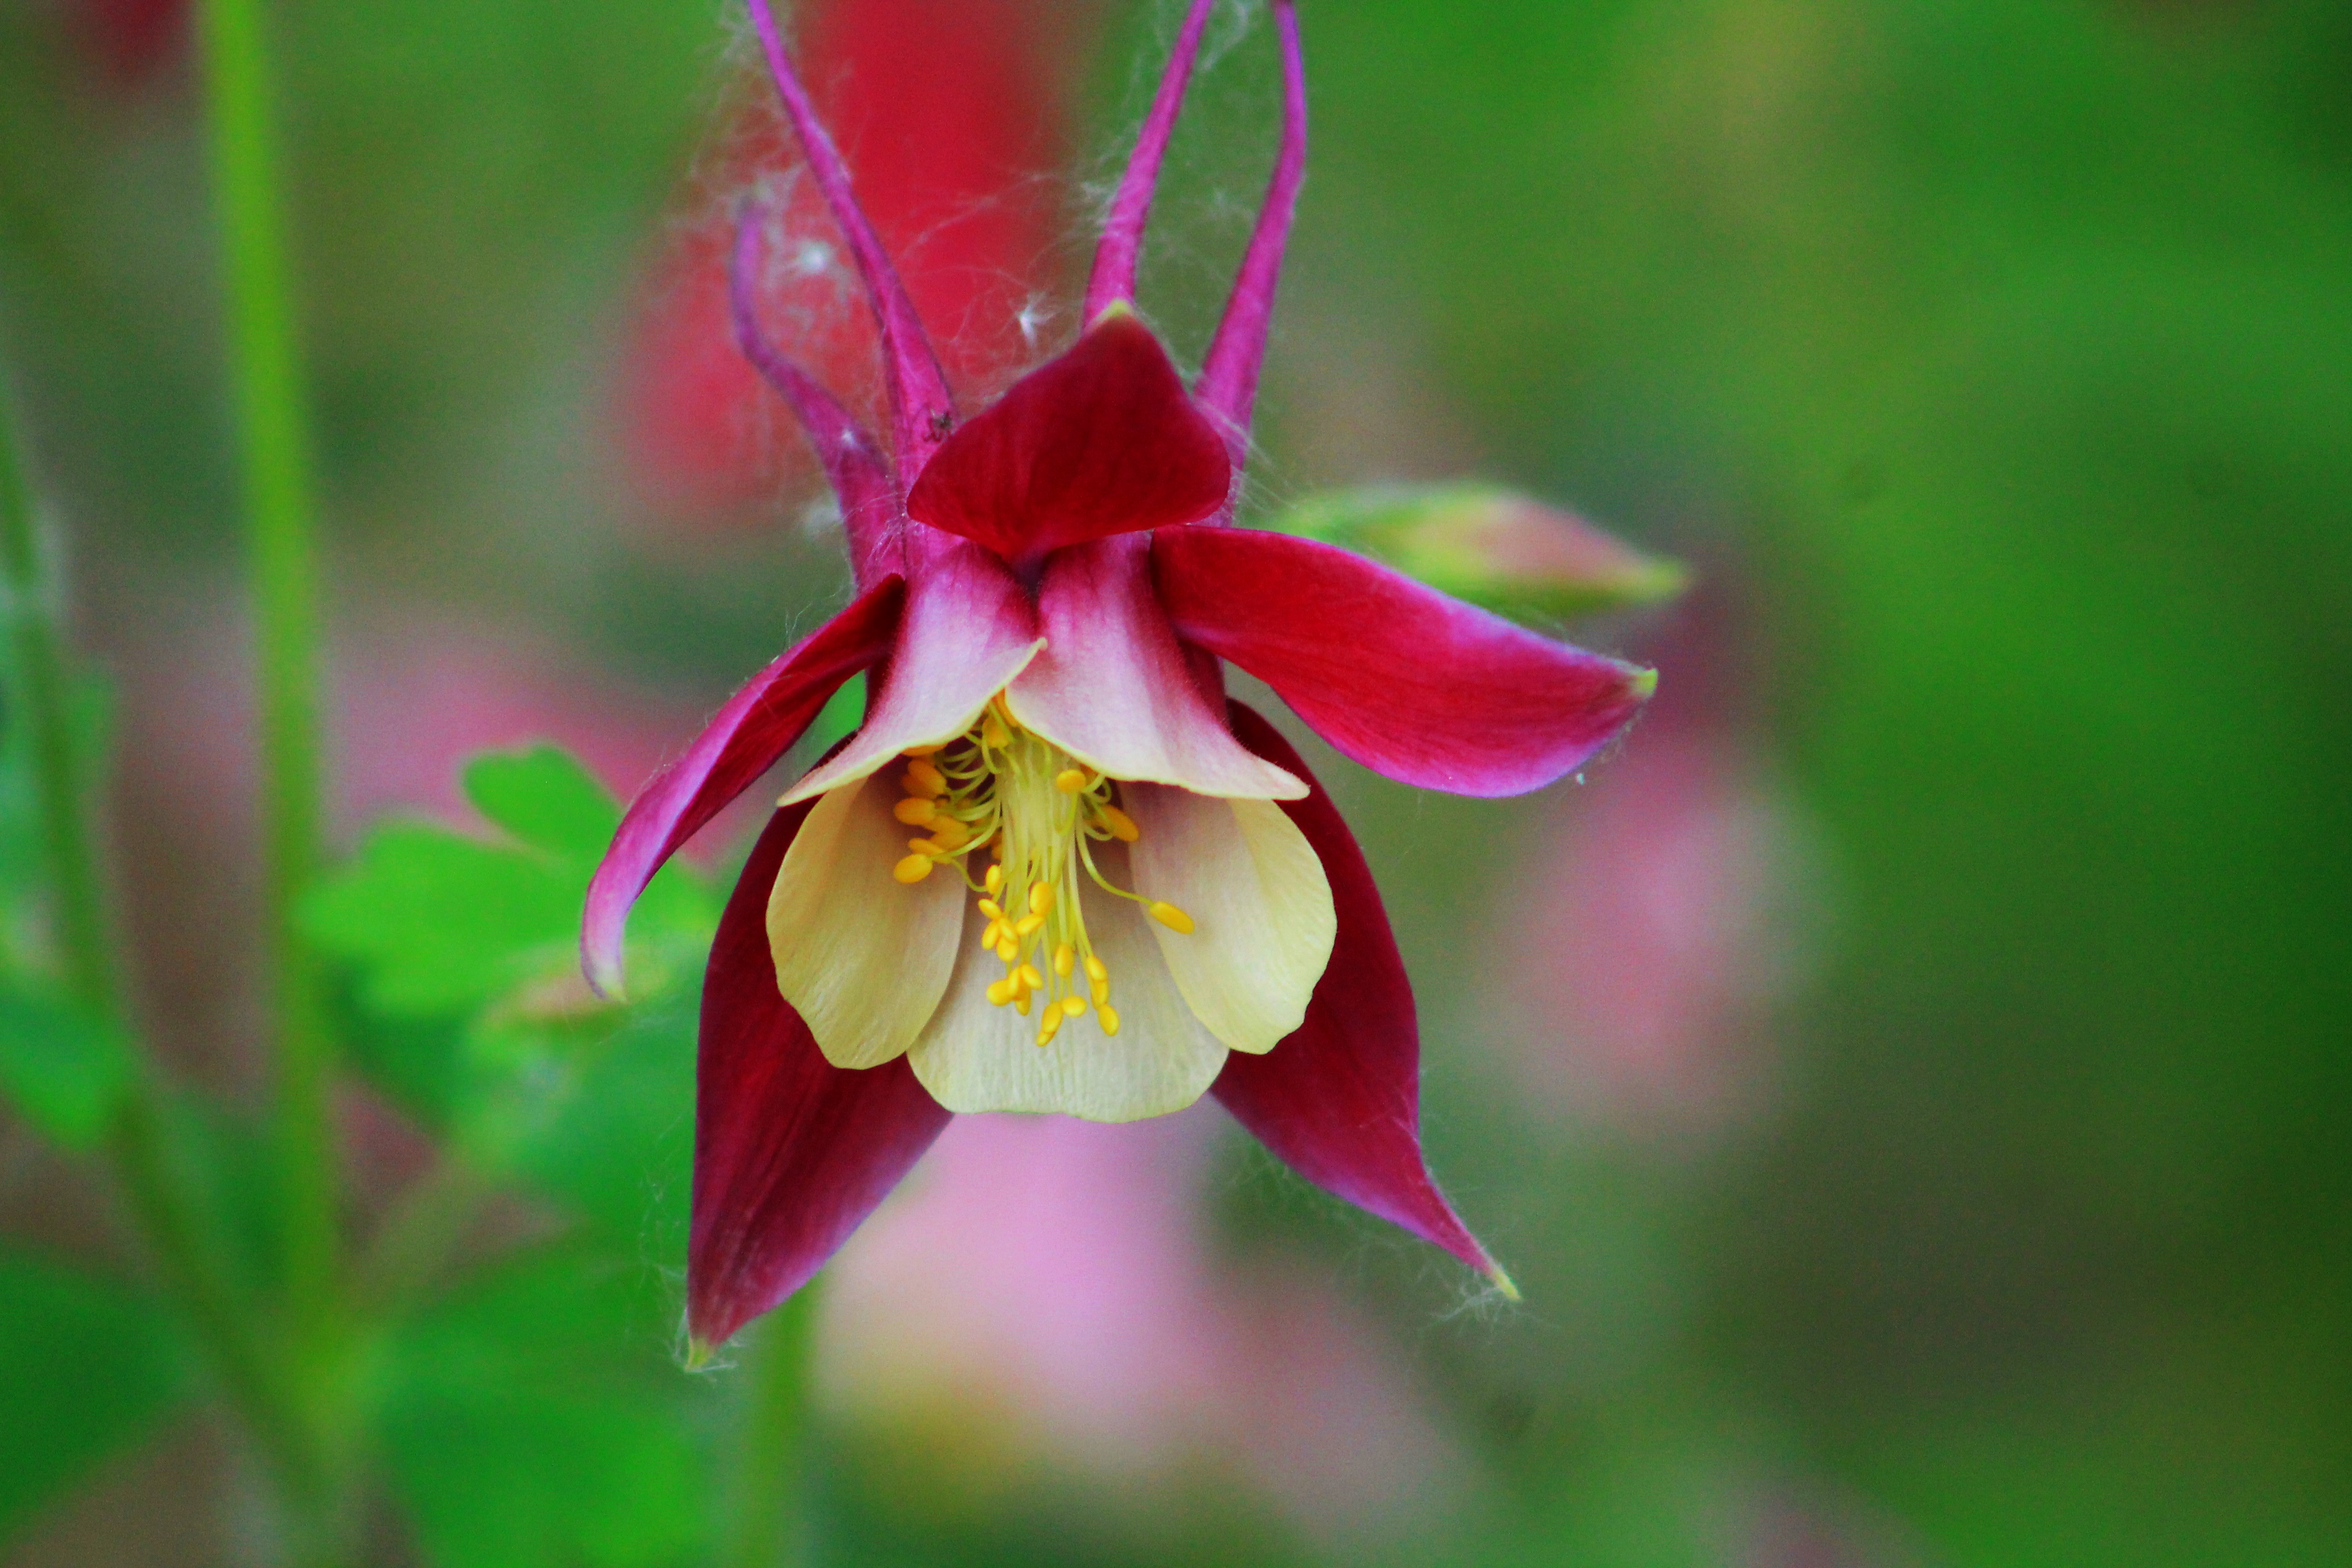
(864, 958)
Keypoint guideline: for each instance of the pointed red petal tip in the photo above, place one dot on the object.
(1413, 684)
(1339, 1100)
(790, 1152)
(1101, 440)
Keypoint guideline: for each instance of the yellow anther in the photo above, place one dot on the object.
(1027, 926)
(1064, 957)
(990, 932)
(1020, 1006)
(1108, 1016)
(1031, 978)
(926, 751)
(923, 779)
(1096, 970)
(924, 847)
(951, 832)
(1101, 990)
(1172, 917)
(994, 912)
(915, 811)
(912, 869)
(999, 992)
(994, 882)
(1041, 898)
(1072, 1005)
(1122, 826)
(1070, 781)
(1007, 948)
(1049, 1026)
(993, 732)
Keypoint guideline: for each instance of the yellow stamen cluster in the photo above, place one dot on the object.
(1038, 814)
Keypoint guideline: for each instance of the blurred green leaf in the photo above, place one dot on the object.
(1493, 547)
(440, 924)
(540, 1420)
(469, 1004)
(606, 1126)
(60, 1069)
(87, 1368)
(842, 712)
(546, 799)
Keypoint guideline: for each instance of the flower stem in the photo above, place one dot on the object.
(274, 450)
(770, 1457)
(33, 616)
(187, 1260)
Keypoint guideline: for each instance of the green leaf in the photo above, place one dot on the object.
(88, 1367)
(546, 799)
(61, 1069)
(540, 1419)
(440, 924)
(842, 712)
(1493, 547)
(610, 1129)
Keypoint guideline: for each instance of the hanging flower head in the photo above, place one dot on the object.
(1054, 870)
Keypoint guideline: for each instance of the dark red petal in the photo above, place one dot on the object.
(1099, 441)
(790, 1152)
(758, 725)
(1408, 681)
(1339, 1100)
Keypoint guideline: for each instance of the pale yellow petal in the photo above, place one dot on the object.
(1262, 918)
(864, 958)
(975, 1056)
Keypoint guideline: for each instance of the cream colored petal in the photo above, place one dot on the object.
(864, 957)
(1262, 918)
(975, 1056)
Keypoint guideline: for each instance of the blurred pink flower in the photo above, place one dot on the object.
(1661, 917)
(1053, 1274)
(130, 41)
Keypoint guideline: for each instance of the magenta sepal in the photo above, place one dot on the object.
(857, 469)
(1339, 1101)
(1227, 387)
(755, 728)
(1099, 440)
(790, 1151)
(1408, 681)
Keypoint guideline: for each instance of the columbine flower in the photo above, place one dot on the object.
(1054, 870)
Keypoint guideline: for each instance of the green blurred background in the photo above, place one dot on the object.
(1902, 1077)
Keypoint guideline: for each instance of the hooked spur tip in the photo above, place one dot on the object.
(1643, 683)
(699, 1353)
(1502, 1283)
(603, 972)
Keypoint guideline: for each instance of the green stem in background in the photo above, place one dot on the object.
(187, 1260)
(274, 450)
(34, 617)
(771, 1469)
